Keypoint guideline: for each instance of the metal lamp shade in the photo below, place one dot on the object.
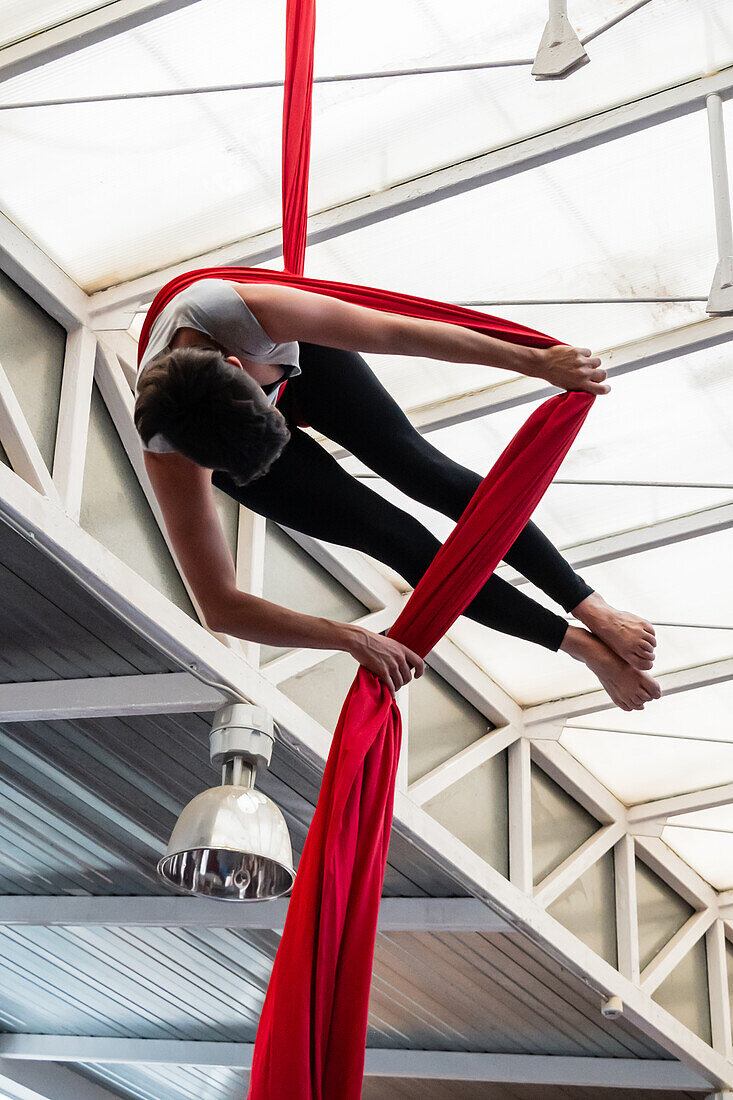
(232, 843)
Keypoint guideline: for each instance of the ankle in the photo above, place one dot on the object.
(589, 608)
(576, 642)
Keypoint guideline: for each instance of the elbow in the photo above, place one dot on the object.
(219, 615)
(217, 622)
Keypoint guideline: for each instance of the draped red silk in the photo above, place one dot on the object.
(300, 33)
(312, 1032)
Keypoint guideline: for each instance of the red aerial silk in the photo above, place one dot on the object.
(312, 1032)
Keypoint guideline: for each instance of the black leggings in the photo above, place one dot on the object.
(306, 489)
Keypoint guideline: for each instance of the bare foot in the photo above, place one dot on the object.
(630, 636)
(628, 687)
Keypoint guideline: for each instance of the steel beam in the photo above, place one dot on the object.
(627, 913)
(664, 808)
(717, 965)
(721, 291)
(519, 796)
(434, 782)
(554, 885)
(534, 1069)
(28, 266)
(107, 696)
(592, 702)
(19, 442)
(708, 521)
(76, 34)
(675, 950)
(660, 348)
(395, 914)
(444, 183)
(73, 422)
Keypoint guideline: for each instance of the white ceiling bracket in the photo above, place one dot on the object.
(560, 51)
(721, 292)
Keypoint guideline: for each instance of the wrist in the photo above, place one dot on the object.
(532, 362)
(347, 636)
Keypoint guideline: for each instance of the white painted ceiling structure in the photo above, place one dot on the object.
(142, 138)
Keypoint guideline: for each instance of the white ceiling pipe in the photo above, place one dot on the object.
(721, 292)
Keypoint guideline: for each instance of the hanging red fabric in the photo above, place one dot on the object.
(300, 33)
(312, 1032)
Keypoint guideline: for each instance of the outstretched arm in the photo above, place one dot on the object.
(186, 498)
(287, 313)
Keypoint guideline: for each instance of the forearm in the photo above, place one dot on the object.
(289, 314)
(253, 619)
(455, 344)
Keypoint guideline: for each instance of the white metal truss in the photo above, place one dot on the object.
(80, 40)
(721, 292)
(706, 521)
(575, 706)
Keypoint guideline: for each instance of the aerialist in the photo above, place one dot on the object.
(212, 397)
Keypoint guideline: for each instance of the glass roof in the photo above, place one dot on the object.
(605, 247)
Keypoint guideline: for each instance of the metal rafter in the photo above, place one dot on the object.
(667, 532)
(535, 1069)
(395, 914)
(84, 30)
(106, 696)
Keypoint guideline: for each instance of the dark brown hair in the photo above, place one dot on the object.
(211, 411)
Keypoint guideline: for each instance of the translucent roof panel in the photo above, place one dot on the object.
(564, 230)
(705, 840)
(684, 583)
(703, 713)
(708, 852)
(137, 157)
(638, 768)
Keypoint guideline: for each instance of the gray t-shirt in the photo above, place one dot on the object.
(214, 307)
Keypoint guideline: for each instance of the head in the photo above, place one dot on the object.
(211, 411)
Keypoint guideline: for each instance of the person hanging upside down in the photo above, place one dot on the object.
(212, 408)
